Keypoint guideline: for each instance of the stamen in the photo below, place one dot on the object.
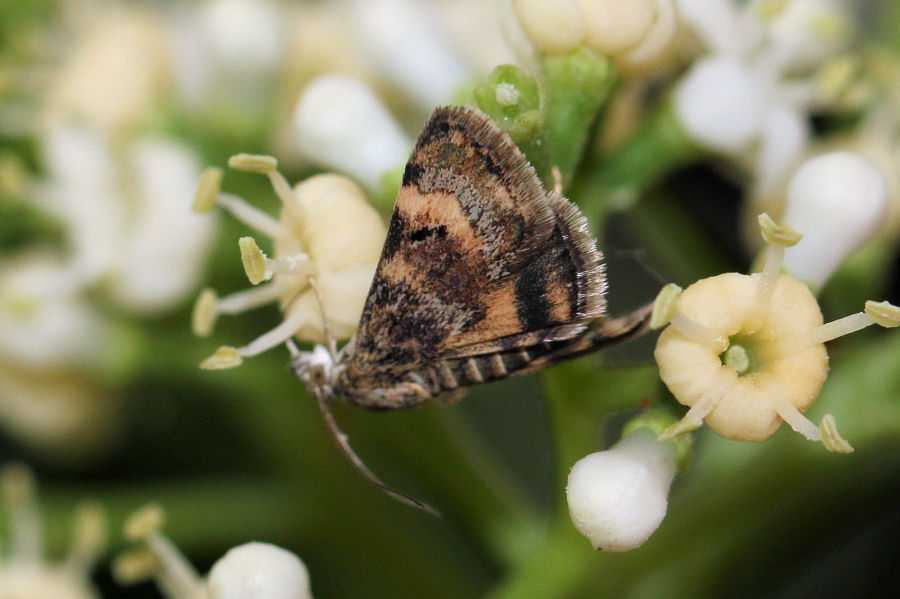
(251, 216)
(254, 260)
(700, 410)
(207, 190)
(224, 358)
(134, 566)
(777, 237)
(253, 163)
(827, 332)
(175, 573)
(831, 438)
(282, 187)
(249, 299)
(144, 522)
(260, 267)
(665, 306)
(797, 421)
(176, 576)
(276, 336)
(89, 539)
(26, 536)
(205, 313)
(692, 329)
(775, 234)
(883, 314)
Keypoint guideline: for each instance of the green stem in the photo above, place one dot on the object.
(575, 87)
(622, 177)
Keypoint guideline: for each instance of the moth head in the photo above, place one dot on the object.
(316, 368)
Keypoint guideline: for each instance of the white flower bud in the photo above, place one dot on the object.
(720, 23)
(259, 571)
(614, 26)
(838, 200)
(720, 104)
(340, 124)
(618, 497)
(556, 26)
(243, 35)
(785, 133)
(405, 44)
(115, 74)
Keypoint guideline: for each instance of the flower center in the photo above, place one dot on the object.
(740, 355)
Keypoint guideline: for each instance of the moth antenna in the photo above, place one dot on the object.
(292, 348)
(332, 342)
(557, 179)
(341, 438)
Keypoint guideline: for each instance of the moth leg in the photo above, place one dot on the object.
(416, 389)
(332, 342)
(344, 444)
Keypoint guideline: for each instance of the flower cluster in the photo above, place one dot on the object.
(259, 570)
(24, 571)
(109, 111)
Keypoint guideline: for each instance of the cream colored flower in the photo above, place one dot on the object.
(637, 33)
(747, 351)
(327, 243)
(249, 571)
(24, 573)
(49, 335)
(116, 72)
(340, 123)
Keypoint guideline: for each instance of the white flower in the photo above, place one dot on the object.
(160, 262)
(227, 51)
(327, 245)
(24, 573)
(50, 336)
(841, 199)
(340, 124)
(714, 91)
(750, 95)
(117, 70)
(128, 217)
(249, 571)
(618, 497)
(44, 322)
(405, 44)
(747, 351)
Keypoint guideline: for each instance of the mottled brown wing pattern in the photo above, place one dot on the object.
(478, 256)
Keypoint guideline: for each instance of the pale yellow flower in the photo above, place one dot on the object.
(747, 351)
(327, 243)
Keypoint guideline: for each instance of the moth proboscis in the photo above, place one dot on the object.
(484, 274)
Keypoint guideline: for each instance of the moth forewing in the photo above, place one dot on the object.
(484, 274)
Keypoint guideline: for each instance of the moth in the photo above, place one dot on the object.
(484, 274)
